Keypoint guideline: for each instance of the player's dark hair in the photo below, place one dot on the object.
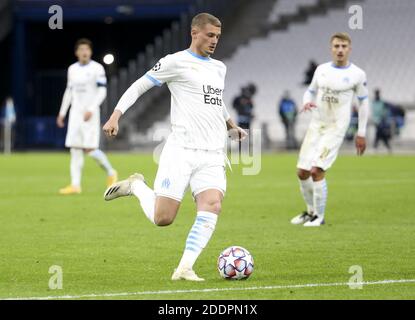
(204, 18)
(82, 41)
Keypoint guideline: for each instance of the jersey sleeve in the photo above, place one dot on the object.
(69, 78)
(163, 72)
(361, 88)
(101, 78)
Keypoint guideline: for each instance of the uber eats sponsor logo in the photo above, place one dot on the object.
(330, 96)
(212, 95)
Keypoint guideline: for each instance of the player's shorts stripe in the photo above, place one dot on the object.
(154, 80)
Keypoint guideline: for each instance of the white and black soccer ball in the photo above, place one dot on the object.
(235, 263)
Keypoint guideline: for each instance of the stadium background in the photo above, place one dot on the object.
(278, 38)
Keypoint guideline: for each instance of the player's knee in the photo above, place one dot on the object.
(214, 206)
(303, 174)
(317, 174)
(163, 220)
(164, 217)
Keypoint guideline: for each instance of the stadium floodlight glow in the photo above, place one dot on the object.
(108, 58)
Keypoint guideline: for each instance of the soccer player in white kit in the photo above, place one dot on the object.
(85, 92)
(194, 153)
(329, 97)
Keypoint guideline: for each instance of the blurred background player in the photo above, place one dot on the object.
(329, 97)
(244, 106)
(382, 120)
(287, 110)
(194, 152)
(85, 92)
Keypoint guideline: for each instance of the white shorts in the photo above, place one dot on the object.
(180, 167)
(83, 134)
(320, 148)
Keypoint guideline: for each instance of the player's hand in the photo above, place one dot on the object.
(87, 116)
(360, 145)
(308, 107)
(60, 121)
(238, 134)
(111, 128)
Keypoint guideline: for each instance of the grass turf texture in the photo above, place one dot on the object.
(110, 247)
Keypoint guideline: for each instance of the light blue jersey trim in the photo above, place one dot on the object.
(345, 67)
(311, 91)
(198, 56)
(362, 98)
(154, 80)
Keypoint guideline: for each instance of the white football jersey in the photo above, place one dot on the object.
(84, 81)
(198, 113)
(334, 89)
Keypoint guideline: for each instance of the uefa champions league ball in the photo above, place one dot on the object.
(235, 263)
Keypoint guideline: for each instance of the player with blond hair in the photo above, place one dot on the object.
(334, 88)
(194, 154)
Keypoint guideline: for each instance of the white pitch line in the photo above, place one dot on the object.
(142, 293)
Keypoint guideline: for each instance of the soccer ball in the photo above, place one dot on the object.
(235, 263)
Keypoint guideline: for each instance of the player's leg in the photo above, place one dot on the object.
(306, 189)
(319, 197)
(161, 204)
(304, 165)
(76, 165)
(327, 151)
(208, 186)
(209, 205)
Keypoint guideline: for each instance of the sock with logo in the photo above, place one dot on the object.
(198, 237)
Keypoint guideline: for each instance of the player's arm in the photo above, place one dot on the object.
(309, 97)
(363, 110)
(100, 95)
(164, 71)
(66, 102)
(136, 90)
(236, 133)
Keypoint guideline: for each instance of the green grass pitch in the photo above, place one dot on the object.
(111, 248)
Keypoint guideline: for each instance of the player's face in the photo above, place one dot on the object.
(207, 39)
(340, 51)
(83, 53)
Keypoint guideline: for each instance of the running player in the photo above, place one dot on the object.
(330, 96)
(194, 152)
(85, 92)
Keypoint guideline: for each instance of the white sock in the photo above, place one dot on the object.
(77, 163)
(198, 238)
(307, 188)
(320, 197)
(147, 198)
(102, 160)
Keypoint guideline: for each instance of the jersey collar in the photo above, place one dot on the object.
(198, 56)
(337, 67)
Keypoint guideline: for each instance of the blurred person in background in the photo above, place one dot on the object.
(288, 112)
(85, 92)
(309, 73)
(381, 116)
(244, 106)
